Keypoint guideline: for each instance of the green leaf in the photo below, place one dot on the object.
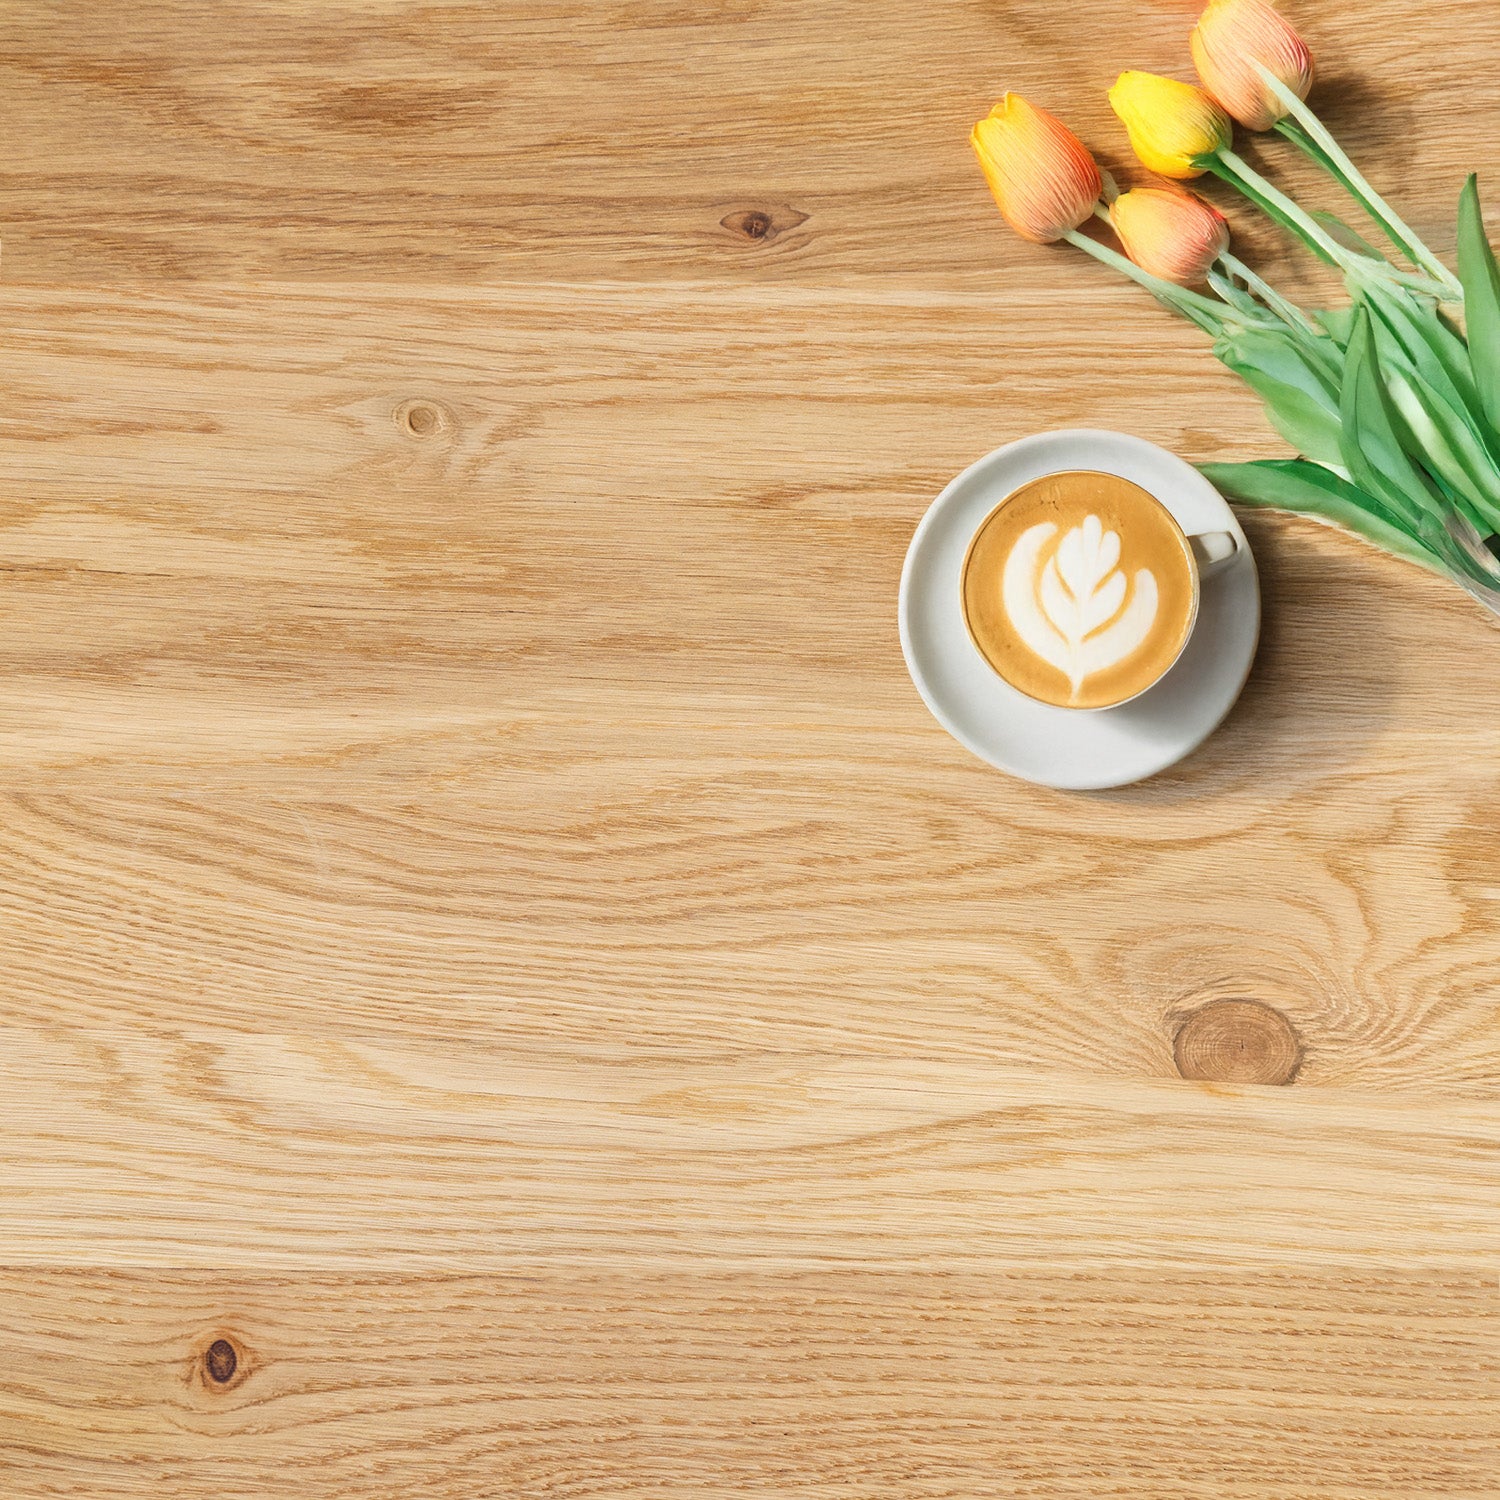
(1411, 327)
(1338, 322)
(1290, 372)
(1371, 444)
(1447, 447)
(1311, 426)
(1312, 365)
(1469, 561)
(1425, 371)
(1481, 279)
(1311, 490)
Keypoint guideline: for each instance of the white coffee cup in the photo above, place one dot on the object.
(1066, 748)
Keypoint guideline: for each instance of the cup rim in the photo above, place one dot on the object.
(1184, 541)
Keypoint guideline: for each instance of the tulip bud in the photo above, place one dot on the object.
(1235, 37)
(1172, 125)
(1172, 234)
(1041, 174)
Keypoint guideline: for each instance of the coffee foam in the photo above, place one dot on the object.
(1079, 589)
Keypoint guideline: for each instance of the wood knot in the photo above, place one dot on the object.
(422, 418)
(760, 225)
(220, 1361)
(1237, 1041)
(753, 223)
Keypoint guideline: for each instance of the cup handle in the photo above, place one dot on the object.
(1214, 551)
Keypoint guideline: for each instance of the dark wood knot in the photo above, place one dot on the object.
(422, 418)
(761, 225)
(753, 223)
(1237, 1041)
(220, 1361)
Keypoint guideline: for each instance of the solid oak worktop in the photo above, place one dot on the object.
(506, 991)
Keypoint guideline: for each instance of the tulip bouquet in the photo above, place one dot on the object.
(1393, 400)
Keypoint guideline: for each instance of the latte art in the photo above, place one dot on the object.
(1070, 603)
(1080, 590)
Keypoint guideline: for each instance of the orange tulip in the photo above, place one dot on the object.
(1041, 174)
(1233, 38)
(1172, 234)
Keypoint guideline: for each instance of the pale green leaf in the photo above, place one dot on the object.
(1311, 490)
(1295, 359)
(1338, 322)
(1447, 447)
(1411, 327)
(1481, 279)
(1290, 372)
(1371, 444)
(1309, 425)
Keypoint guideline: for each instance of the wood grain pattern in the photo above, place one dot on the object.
(327, 1153)
(588, 139)
(505, 989)
(943, 1386)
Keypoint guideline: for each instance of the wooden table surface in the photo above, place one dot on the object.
(506, 991)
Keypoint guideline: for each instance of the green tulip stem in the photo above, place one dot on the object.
(1291, 215)
(1209, 315)
(1265, 194)
(1364, 269)
(1308, 133)
(1284, 309)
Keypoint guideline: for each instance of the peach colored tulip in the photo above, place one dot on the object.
(1172, 234)
(1233, 38)
(1041, 174)
(1173, 126)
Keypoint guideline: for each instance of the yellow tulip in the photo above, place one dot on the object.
(1235, 37)
(1173, 126)
(1172, 234)
(1041, 174)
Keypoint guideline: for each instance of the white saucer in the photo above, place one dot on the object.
(1060, 747)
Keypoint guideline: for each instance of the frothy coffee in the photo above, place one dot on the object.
(1080, 590)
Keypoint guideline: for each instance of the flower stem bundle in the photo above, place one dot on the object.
(1393, 402)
